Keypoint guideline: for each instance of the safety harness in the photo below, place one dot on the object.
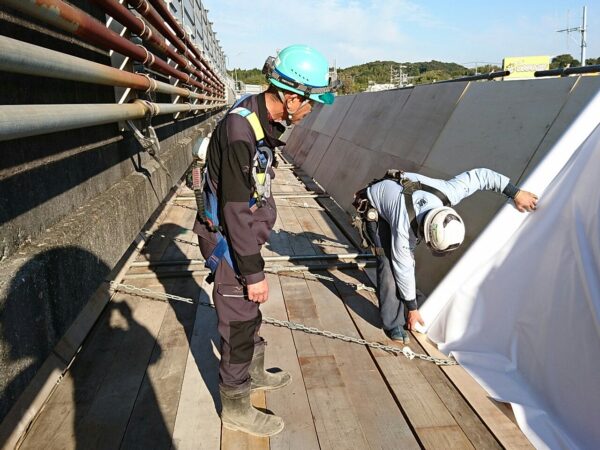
(263, 161)
(367, 213)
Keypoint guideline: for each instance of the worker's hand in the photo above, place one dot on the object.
(414, 317)
(525, 201)
(258, 292)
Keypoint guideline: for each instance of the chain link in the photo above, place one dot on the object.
(183, 206)
(277, 270)
(406, 351)
(176, 239)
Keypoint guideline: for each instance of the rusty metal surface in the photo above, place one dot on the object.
(151, 15)
(150, 35)
(24, 58)
(74, 20)
(162, 8)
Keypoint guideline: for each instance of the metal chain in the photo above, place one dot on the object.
(176, 239)
(276, 269)
(183, 206)
(314, 276)
(406, 351)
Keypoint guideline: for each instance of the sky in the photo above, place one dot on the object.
(352, 32)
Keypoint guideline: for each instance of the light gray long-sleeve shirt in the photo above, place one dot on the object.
(388, 199)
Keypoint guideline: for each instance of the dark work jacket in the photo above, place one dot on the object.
(230, 158)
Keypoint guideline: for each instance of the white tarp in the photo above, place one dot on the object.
(521, 310)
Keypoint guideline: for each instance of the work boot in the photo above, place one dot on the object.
(261, 379)
(238, 414)
(398, 334)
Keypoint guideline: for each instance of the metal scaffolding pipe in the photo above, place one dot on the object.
(29, 59)
(267, 269)
(566, 71)
(283, 195)
(138, 26)
(483, 76)
(148, 12)
(191, 262)
(163, 10)
(18, 121)
(75, 21)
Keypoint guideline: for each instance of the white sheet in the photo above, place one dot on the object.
(521, 310)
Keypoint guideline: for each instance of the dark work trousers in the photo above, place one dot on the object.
(239, 319)
(391, 307)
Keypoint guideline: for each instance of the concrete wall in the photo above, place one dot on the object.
(71, 203)
(439, 130)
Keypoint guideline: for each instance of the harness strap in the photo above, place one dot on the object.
(221, 250)
(409, 188)
(252, 119)
(211, 211)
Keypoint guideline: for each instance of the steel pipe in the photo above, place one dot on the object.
(29, 59)
(138, 26)
(187, 198)
(267, 269)
(163, 10)
(18, 121)
(191, 262)
(148, 12)
(566, 71)
(75, 21)
(483, 76)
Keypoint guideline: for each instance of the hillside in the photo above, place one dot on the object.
(356, 78)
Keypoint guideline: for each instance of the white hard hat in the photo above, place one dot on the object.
(443, 230)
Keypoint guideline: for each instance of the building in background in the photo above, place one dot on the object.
(522, 67)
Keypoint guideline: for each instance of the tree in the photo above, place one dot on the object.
(592, 61)
(561, 61)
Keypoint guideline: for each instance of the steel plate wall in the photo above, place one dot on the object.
(439, 130)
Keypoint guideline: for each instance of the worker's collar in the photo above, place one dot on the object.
(273, 130)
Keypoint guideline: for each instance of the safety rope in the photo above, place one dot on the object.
(406, 351)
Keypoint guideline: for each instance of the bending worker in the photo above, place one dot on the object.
(401, 210)
(239, 213)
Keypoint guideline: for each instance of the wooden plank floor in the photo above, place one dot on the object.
(147, 375)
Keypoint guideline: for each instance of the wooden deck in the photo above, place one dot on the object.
(147, 375)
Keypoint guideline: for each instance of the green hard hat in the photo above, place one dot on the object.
(303, 70)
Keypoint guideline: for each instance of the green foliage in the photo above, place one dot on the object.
(248, 76)
(357, 78)
(592, 61)
(566, 60)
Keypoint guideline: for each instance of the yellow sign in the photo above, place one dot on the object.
(524, 66)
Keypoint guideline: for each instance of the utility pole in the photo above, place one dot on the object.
(583, 30)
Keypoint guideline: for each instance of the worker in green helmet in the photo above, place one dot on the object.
(238, 219)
